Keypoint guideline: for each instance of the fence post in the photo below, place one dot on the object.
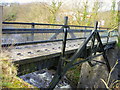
(60, 66)
(1, 12)
(85, 32)
(32, 34)
(65, 36)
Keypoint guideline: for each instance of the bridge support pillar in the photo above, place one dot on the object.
(91, 77)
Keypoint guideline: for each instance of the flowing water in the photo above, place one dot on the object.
(42, 78)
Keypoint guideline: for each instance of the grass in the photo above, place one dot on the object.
(8, 74)
(74, 73)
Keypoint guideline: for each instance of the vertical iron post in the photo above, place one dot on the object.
(58, 74)
(85, 32)
(64, 37)
(108, 37)
(32, 34)
(62, 58)
(96, 26)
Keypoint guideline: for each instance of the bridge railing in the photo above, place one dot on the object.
(41, 33)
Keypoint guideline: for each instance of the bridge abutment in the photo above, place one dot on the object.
(92, 77)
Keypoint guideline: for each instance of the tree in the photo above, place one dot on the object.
(113, 13)
(53, 9)
(94, 13)
(81, 12)
(78, 10)
(85, 8)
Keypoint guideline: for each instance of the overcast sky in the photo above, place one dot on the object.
(106, 6)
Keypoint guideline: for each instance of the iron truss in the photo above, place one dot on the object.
(96, 45)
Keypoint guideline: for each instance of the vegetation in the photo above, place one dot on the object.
(74, 73)
(8, 75)
(53, 13)
(53, 9)
(118, 44)
(113, 84)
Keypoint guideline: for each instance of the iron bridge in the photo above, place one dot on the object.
(48, 45)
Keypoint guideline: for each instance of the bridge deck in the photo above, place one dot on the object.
(45, 49)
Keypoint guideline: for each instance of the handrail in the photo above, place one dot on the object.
(28, 30)
(34, 30)
(24, 23)
(46, 41)
(38, 42)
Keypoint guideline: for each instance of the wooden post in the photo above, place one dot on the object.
(1, 12)
(32, 34)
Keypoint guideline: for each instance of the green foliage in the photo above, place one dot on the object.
(118, 44)
(114, 15)
(53, 9)
(82, 19)
(10, 12)
(74, 73)
(85, 7)
(8, 75)
(94, 14)
(49, 13)
(11, 17)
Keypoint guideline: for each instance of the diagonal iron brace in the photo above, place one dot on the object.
(60, 73)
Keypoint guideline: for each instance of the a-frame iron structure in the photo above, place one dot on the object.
(96, 45)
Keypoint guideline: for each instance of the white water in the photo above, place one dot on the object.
(41, 79)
